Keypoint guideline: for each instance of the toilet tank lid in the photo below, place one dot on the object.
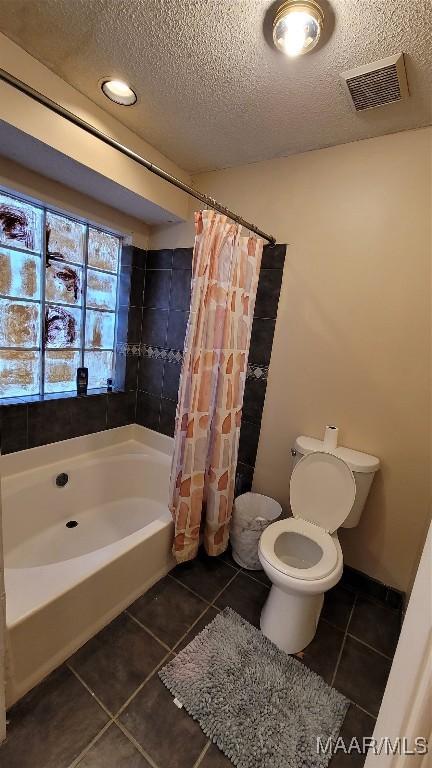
(356, 460)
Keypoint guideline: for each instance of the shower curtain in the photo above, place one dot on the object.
(224, 283)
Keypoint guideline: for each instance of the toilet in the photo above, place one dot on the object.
(301, 555)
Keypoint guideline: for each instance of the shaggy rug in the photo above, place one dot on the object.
(263, 708)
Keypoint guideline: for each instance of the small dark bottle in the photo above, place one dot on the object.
(82, 381)
(109, 385)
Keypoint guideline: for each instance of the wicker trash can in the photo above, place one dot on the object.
(252, 514)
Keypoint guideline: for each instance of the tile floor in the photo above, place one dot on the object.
(106, 707)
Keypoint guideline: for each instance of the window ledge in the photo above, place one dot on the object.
(56, 396)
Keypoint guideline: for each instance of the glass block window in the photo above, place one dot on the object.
(58, 300)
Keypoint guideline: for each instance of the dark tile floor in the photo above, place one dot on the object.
(107, 708)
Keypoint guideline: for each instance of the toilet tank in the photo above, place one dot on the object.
(362, 465)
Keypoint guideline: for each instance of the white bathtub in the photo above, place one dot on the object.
(64, 583)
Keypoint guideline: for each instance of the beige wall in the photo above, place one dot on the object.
(15, 177)
(30, 117)
(352, 341)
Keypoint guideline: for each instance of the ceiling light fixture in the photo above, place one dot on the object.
(120, 92)
(297, 26)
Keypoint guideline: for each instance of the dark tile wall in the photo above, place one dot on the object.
(38, 423)
(129, 319)
(164, 321)
(263, 327)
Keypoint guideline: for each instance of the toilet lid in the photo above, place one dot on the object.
(322, 490)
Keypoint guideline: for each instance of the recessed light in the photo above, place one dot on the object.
(297, 26)
(120, 92)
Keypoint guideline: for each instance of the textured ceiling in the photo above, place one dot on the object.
(212, 91)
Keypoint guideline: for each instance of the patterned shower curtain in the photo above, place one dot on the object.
(224, 283)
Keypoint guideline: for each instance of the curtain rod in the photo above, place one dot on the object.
(59, 110)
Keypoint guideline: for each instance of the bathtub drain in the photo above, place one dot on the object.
(71, 524)
(62, 479)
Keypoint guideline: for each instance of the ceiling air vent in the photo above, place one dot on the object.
(376, 84)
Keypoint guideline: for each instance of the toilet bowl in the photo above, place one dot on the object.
(301, 555)
(302, 562)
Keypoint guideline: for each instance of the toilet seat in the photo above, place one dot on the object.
(316, 535)
(322, 493)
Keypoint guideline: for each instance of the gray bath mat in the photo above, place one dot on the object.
(263, 708)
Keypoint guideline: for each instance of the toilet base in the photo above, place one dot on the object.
(289, 620)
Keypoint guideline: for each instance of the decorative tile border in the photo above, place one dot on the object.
(130, 350)
(257, 371)
(151, 351)
(160, 353)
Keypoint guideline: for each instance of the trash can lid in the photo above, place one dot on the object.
(252, 505)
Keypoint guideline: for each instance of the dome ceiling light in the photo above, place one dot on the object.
(297, 26)
(119, 92)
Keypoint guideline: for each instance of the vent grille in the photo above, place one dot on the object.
(375, 88)
(377, 84)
